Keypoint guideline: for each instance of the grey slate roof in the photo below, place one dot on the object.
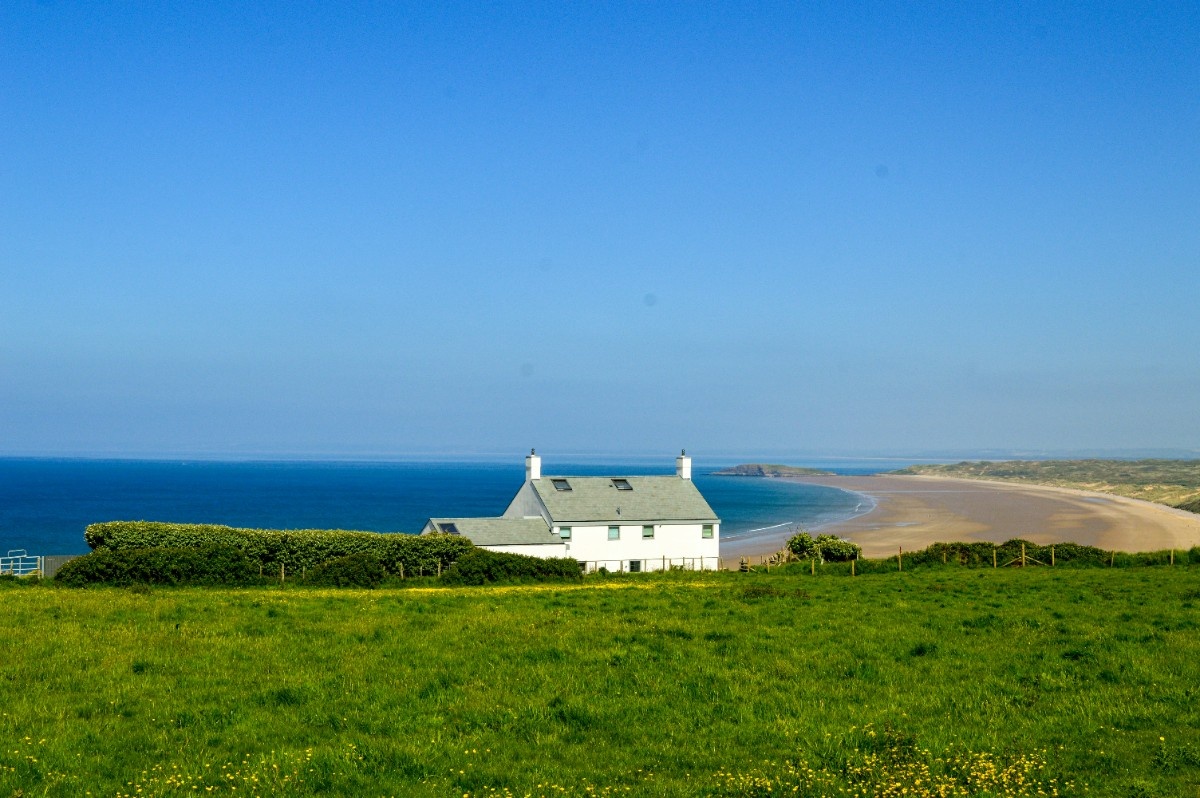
(501, 531)
(597, 499)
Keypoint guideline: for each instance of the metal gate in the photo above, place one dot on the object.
(19, 562)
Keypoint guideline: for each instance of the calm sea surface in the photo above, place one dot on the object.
(45, 504)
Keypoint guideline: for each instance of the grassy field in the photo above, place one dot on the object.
(1172, 482)
(942, 681)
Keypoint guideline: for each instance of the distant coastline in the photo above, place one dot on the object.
(1174, 483)
(771, 470)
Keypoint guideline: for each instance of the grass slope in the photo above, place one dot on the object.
(1172, 482)
(676, 684)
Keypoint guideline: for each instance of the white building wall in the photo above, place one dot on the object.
(673, 544)
(532, 550)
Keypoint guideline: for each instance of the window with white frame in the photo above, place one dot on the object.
(648, 532)
(706, 531)
(564, 532)
(614, 533)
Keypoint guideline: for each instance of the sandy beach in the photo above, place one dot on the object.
(914, 511)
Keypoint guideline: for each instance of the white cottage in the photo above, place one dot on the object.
(627, 523)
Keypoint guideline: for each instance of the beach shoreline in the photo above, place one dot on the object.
(913, 512)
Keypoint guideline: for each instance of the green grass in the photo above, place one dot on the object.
(675, 684)
(1171, 482)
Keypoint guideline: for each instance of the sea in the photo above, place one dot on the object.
(45, 504)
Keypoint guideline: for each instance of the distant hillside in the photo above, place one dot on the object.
(1171, 482)
(769, 470)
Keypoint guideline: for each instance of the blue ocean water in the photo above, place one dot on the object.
(45, 504)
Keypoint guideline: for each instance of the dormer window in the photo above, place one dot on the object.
(561, 484)
(449, 529)
(622, 484)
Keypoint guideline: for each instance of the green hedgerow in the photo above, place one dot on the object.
(353, 570)
(207, 565)
(294, 549)
(482, 566)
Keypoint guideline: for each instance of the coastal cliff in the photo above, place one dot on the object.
(770, 470)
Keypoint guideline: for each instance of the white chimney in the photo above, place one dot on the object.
(683, 465)
(533, 466)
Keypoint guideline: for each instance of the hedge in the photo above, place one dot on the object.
(207, 565)
(294, 549)
(353, 570)
(482, 566)
(1064, 554)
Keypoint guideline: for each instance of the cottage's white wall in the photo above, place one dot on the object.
(672, 544)
(532, 549)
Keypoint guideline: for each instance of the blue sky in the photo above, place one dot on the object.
(377, 229)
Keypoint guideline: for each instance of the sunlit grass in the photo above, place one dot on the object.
(704, 684)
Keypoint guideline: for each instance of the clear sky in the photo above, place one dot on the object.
(339, 228)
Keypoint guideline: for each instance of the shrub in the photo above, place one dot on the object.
(827, 547)
(208, 565)
(802, 545)
(353, 570)
(835, 549)
(481, 566)
(294, 549)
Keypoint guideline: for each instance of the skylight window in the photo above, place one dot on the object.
(622, 484)
(450, 529)
(561, 484)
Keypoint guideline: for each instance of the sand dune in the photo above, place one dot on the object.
(914, 511)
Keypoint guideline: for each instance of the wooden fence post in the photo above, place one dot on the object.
(993, 555)
(900, 558)
(1112, 557)
(281, 573)
(852, 566)
(1022, 555)
(1051, 556)
(439, 569)
(401, 571)
(1172, 556)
